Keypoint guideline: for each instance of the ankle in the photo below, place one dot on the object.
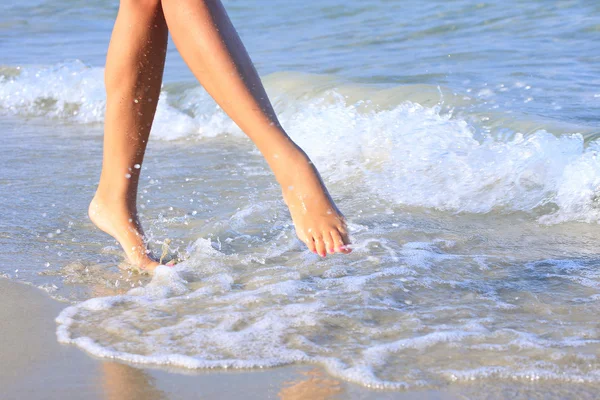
(111, 196)
(112, 203)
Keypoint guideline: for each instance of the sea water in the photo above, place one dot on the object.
(460, 139)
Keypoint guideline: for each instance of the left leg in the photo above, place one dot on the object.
(133, 75)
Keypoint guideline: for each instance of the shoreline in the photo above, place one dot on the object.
(33, 365)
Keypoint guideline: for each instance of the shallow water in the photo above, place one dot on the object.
(459, 139)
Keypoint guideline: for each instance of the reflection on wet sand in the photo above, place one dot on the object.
(122, 382)
(314, 385)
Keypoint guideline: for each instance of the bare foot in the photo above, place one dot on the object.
(317, 220)
(123, 225)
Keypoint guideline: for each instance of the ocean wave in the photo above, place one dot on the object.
(401, 151)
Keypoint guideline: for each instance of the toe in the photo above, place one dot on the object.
(340, 238)
(320, 245)
(329, 243)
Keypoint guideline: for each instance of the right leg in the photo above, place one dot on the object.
(133, 75)
(210, 45)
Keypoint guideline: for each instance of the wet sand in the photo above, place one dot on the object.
(33, 365)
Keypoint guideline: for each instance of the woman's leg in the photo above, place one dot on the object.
(211, 47)
(133, 75)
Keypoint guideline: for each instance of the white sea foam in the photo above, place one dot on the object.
(355, 320)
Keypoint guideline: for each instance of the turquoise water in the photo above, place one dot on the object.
(459, 138)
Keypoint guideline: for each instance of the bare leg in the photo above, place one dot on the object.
(134, 69)
(211, 47)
